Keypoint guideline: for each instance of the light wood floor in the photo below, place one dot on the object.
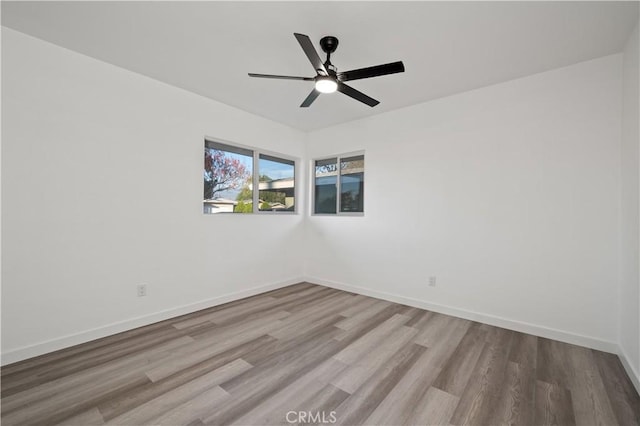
(308, 348)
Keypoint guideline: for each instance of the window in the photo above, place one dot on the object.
(229, 180)
(343, 176)
(276, 186)
(326, 186)
(352, 184)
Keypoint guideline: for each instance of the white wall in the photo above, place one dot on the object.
(630, 214)
(102, 190)
(509, 195)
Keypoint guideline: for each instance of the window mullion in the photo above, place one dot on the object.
(312, 178)
(338, 185)
(256, 183)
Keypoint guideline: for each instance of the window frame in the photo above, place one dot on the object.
(255, 178)
(338, 158)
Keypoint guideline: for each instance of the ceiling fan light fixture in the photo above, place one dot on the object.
(326, 85)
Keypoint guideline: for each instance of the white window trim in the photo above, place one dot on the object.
(312, 191)
(256, 176)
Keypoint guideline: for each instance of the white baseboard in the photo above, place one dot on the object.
(536, 330)
(41, 348)
(631, 371)
(118, 327)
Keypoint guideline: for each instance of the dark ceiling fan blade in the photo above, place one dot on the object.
(375, 71)
(357, 95)
(281, 77)
(310, 51)
(309, 100)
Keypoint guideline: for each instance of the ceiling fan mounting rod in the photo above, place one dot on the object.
(329, 44)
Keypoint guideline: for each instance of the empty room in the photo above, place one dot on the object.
(296, 213)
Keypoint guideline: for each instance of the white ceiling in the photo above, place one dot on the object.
(447, 47)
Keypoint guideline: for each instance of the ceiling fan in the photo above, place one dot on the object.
(328, 79)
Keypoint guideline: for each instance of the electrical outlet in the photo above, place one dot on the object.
(432, 281)
(142, 290)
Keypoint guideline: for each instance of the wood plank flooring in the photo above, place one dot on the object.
(307, 354)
